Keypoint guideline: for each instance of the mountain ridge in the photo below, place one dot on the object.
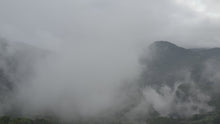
(185, 70)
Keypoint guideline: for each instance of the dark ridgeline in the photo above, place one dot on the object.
(16, 67)
(16, 62)
(166, 64)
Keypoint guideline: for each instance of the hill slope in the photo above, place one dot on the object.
(184, 79)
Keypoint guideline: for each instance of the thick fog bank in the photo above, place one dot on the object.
(109, 82)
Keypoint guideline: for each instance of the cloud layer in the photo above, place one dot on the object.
(50, 23)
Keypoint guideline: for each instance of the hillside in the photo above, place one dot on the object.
(187, 78)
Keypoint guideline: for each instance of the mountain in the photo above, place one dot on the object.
(167, 63)
(188, 74)
(16, 64)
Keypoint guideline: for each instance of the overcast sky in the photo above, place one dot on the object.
(190, 23)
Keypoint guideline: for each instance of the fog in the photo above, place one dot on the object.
(94, 50)
(80, 81)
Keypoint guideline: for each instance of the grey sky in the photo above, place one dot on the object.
(49, 22)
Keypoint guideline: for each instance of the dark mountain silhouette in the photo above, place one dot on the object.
(166, 64)
(16, 64)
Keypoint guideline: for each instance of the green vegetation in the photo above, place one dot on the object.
(208, 118)
(8, 120)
